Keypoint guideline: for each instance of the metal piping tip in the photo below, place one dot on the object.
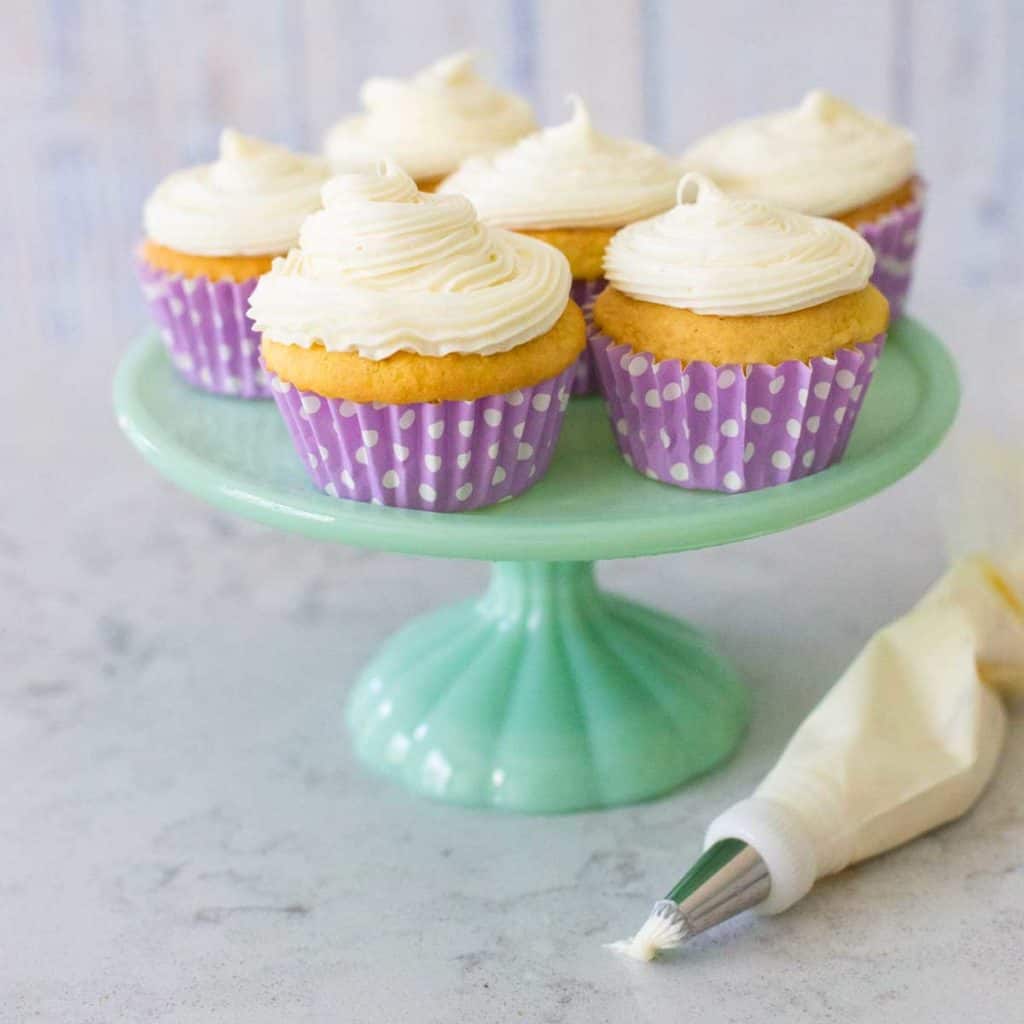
(727, 879)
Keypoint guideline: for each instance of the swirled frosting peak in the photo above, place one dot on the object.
(250, 202)
(431, 122)
(568, 176)
(719, 255)
(823, 157)
(384, 268)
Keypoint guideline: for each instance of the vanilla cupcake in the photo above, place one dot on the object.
(430, 123)
(737, 340)
(210, 232)
(828, 159)
(572, 187)
(419, 358)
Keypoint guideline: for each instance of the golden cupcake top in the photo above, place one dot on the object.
(385, 268)
(251, 201)
(822, 157)
(670, 333)
(431, 122)
(406, 377)
(714, 254)
(568, 176)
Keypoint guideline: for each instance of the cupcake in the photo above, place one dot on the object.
(737, 340)
(210, 232)
(572, 187)
(828, 159)
(419, 358)
(430, 123)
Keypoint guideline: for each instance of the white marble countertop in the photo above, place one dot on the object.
(184, 835)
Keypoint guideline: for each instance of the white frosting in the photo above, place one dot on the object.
(665, 928)
(823, 157)
(568, 176)
(250, 202)
(431, 122)
(384, 268)
(723, 256)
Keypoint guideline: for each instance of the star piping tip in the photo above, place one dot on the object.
(665, 928)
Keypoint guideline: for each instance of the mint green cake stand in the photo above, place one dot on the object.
(545, 693)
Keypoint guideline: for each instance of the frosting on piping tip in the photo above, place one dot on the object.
(723, 256)
(384, 268)
(431, 122)
(570, 175)
(823, 157)
(250, 202)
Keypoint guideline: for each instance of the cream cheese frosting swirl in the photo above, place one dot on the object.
(718, 255)
(823, 157)
(431, 122)
(384, 268)
(568, 176)
(250, 202)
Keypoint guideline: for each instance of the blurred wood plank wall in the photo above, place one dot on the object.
(105, 96)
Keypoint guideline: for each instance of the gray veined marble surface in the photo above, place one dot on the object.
(184, 836)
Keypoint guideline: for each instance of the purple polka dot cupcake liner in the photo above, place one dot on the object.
(583, 293)
(203, 324)
(435, 456)
(732, 428)
(894, 240)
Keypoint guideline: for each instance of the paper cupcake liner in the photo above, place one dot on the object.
(204, 326)
(583, 293)
(730, 428)
(894, 239)
(435, 456)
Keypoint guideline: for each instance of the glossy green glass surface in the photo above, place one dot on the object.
(589, 505)
(545, 694)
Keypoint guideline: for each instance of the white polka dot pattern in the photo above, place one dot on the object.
(894, 239)
(441, 457)
(204, 327)
(732, 428)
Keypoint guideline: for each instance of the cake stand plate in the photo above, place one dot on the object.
(546, 693)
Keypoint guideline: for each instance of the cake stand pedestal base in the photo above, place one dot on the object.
(546, 694)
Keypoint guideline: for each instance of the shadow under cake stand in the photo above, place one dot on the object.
(546, 693)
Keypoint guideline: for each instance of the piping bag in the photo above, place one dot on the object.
(904, 742)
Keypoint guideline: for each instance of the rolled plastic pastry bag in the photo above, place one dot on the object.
(904, 742)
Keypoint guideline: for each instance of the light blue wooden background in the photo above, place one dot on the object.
(104, 97)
